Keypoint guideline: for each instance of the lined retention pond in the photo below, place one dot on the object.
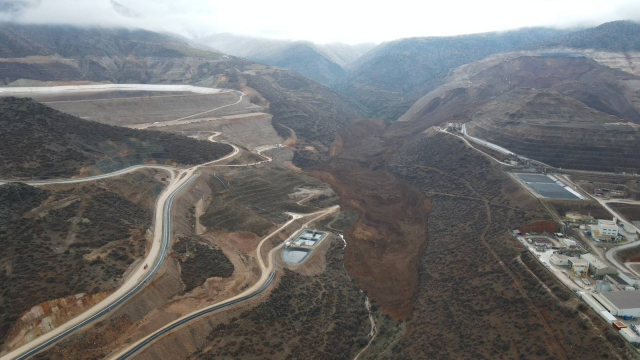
(294, 255)
(548, 187)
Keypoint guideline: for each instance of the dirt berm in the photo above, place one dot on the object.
(385, 245)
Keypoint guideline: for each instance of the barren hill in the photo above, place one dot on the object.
(391, 77)
(569, 112)
(39, 141)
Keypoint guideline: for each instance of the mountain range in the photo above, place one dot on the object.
(324, 63)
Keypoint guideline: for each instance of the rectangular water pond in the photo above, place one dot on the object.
(536, 178)
(547, 187)
(295, 255)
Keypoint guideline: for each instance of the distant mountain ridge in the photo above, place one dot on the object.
(323, 63)
(620, 35)
(392, 76)
(70, 41)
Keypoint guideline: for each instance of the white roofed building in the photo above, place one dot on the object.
(597, 267)
(605, 230)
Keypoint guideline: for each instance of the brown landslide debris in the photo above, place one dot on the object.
(385, 245)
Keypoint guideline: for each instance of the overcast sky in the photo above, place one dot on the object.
(349, 21)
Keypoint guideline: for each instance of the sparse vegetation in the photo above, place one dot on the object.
(64, 241)
(480, 293)
(261, 197)
(200, 261)
(305, 317)
(41, 142)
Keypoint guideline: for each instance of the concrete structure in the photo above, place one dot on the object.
(620, 303)
(598, 267)
(616, 279)
(607, 316)
(559, 259)
(630, 335)
(569, 243)
(542, 242)
(623, 279)
(578, 265)
(605, 230)
(595, 304)
(602, 286)
(106, 87)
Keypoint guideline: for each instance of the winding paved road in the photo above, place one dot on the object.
(140, 277)
(132, 285)
(160, 246)
(267, 275)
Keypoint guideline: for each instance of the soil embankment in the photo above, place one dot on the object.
(388, 239)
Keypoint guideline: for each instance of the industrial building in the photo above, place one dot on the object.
(542, 242)
(623, 279)
(602, 286)
(559, 259)
(598, 267)
(605, 230)
(569, 243)
(620, 302)
(578, 265)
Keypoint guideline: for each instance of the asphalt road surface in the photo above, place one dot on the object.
(134, 284)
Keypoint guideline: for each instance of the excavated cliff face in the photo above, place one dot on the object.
(563, 108)
(628, 61)
(48, 315)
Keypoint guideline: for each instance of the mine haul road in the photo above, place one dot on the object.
(266, 277)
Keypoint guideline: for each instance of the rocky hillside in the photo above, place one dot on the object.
(44, 55)
(38, 141)
(568, 112)
(389, 78)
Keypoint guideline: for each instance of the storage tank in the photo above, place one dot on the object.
(602, 286)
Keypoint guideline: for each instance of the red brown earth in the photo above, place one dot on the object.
(385, 245)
